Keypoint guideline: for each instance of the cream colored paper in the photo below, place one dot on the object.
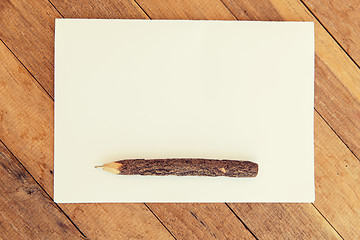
(170, 89)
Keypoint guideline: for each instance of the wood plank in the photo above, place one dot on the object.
(26, 116)
(195, 10)
(200, 221)
(26, 119)
(28, 30)
(335, 102)
(116, 221)
(337, 91)
(341, 19)
(284, 221)
(336, 166)
(99, 9)
(26, 212)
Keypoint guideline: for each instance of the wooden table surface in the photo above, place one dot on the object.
(27, 210)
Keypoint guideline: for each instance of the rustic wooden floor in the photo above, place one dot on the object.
(26, 129)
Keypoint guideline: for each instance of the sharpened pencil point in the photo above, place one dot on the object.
(99, 166)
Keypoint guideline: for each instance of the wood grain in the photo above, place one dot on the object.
(27, 28)
(26, 212)
(284, 221)
(341, 19)
(336, 166)
(26, 127)
(197, 221)
(116, 221)
(338, 105)
(99, 9)
(195, 10)
(21, 123)
(26, 119)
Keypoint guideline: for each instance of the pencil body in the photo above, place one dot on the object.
(183, 167)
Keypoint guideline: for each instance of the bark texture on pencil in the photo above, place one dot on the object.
(183, 167)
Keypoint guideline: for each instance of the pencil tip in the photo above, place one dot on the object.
(98, 166)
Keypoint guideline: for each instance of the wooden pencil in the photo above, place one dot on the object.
(183, 167)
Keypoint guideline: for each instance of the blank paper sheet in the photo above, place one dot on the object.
(184, 89)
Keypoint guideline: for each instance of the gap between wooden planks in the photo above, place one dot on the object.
(22, 200)
(204, 14)
(341, 19)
